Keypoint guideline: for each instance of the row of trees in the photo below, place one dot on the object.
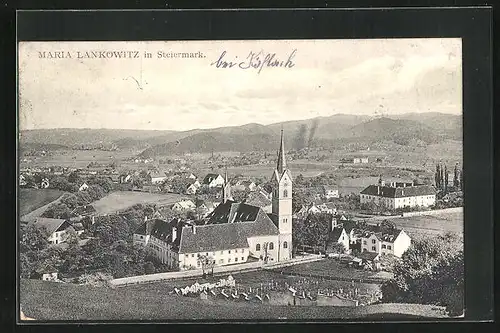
(441, 178)
(431, 272)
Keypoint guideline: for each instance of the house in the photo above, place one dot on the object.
(370, 260)
(385, 241)
(399, 195)
(337, 235)
(249, 185)
(354, 160)
(330, 192)
(259, 199)
(206, 207)
(22, 180)
(193, 187)
(232, 233)
(213, 180)
(325, 208)
(83, 187)
(125, 178)
(56, 229)
(183, 206)
(157, 177)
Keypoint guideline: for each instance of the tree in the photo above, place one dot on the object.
(456, 183)
(445, 179)
(336, 247)
(430, 272)
(58, 211)
(74, 178)
(437, 176)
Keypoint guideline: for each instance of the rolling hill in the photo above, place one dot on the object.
(335, 130)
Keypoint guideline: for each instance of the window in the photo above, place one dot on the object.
(373, 241)
(192, 255)
(364, 242)
(373, 248)
(229, 251)
(221, 261)
(236, 259)
(257, 247)
(285, 220)
(242, 258)
(285, 193)
(383, 253)
(388, 247)
(383, 246)
(271, 246)
(142, 237)
(285, 245)
(229, 260)
(242, 250)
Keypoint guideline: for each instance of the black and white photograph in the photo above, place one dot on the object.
(241, 180)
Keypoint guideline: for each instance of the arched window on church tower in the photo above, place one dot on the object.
(285, 245)
(271, 246)
(285, 194)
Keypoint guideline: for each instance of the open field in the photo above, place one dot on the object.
(117, 201)
(430, 225)
(77, 158)
(56, 301)
(31, 199)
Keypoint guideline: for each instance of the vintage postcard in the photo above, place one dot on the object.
(241, 180)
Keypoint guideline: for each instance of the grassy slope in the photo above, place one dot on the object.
(31, 199)
(121, 200)
(54, 301)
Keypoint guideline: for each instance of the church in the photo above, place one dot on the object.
(233, 233)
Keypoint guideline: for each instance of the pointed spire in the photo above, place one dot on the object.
(281, 156)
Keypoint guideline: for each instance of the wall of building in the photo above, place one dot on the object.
(394, 203)
(222, 258)
(261, 240)
(57, 237)
(401, 244)
(371, 244)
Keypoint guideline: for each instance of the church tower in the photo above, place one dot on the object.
(282, 202)
(226, 189)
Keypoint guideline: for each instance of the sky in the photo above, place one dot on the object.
(367, 77)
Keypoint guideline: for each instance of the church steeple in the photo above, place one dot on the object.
(226, 189)
(281, 156)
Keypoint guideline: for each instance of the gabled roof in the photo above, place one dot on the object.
(212, 237)
(399, 192)
(335, 234)
(50, 225)
(258, 199)
(210, 177)
(252, 220)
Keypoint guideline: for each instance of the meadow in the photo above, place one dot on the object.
(121, 200)
(419, 227)
(49, 301)
(31, 199)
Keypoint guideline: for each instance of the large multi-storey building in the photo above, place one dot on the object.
(399, 195)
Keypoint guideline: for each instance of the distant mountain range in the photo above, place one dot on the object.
(404, 129)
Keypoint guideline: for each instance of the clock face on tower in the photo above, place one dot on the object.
(285, 184)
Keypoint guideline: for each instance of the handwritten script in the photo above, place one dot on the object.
(255, 60)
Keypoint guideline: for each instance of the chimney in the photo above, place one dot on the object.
(194, 229)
